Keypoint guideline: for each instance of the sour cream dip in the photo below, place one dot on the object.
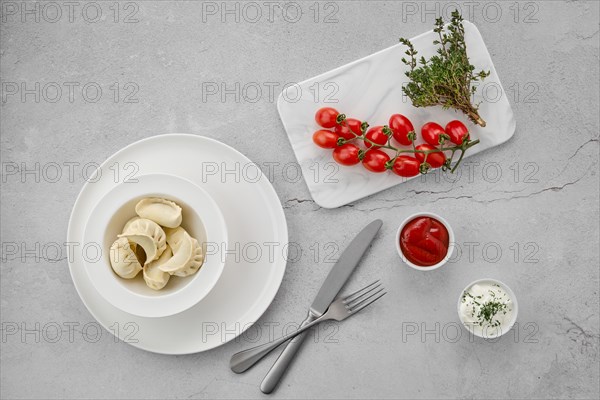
(487, 308)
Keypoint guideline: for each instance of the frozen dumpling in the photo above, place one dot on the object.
(154, 242)
(148, 235)
(164, 212)
(123, 260)
(182, 246)
(154, 277)
(194, 263)
(129, 223)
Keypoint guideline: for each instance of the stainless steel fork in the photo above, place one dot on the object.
(339, 310)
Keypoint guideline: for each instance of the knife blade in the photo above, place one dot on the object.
(334, 282)
(344, 267)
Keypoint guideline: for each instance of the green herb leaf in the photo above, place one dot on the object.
(445, 79)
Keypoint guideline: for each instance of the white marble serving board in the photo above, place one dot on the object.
(370, 89)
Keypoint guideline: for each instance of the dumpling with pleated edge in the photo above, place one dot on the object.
(164, 212)
(147, 234)
(123, 260)
(195, 262)
(133, 245)
(154, 277)
(129, 222)
(183, 247)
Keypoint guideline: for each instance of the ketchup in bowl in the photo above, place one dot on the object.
(424, 241)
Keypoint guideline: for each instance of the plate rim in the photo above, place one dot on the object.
(277, 212)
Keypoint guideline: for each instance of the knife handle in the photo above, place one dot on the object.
(284, 359)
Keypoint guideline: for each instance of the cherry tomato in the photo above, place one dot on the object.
(349, 128)
(457, 131)
(354, 125)
(343, 131)
(347, 154)
(431, 133)
(376, 135)
(406, 166)
(325, 139)
(375, 160)
(401, 127)
(435, 159)
(327, 117)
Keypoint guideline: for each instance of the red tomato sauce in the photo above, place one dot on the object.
(424, 241)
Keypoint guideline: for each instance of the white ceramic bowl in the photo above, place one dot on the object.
(450, 241)
(202, 218)
(495, 332)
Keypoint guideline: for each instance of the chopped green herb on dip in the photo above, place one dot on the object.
(486, 309)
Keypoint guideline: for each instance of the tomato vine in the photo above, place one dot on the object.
(455, 139)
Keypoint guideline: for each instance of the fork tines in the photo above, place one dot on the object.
(358, 300)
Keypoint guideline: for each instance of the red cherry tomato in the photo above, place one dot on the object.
(401, 127)
(347, 154)
(435, 159)
(457, 131)
(431, 133)
(376, 135)
(327, 117)
(375, 160)
(343, 131)
(406, 166)
(354, 125)
(349, 128)
(325, 139)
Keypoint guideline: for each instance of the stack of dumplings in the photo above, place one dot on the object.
(156, 244)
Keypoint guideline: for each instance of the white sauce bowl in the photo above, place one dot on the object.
(490, 333)
(450, 241)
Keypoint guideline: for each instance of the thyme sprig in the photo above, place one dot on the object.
(446, 79)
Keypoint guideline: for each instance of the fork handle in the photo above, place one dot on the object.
(284, 359)
(245, 359)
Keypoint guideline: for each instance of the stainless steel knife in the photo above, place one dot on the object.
(334, 282)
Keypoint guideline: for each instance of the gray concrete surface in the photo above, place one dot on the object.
(542, 212)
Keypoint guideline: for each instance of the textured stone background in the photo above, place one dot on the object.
(546, 54)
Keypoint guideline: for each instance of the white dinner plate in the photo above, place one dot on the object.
(257, 235)
(370, 89)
